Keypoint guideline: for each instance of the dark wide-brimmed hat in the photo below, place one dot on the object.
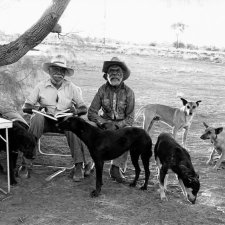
(59, 61)
(115, 61)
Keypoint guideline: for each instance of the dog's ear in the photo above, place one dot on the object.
(184, 101)
(193, 179)
(197, 174)
(64, 122)
(184, 169)
(109, 126)
(206, 126)
(218, 130)
(197, 103)
(188, 175)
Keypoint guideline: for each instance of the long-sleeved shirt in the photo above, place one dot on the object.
(54, 99)
(116, 103)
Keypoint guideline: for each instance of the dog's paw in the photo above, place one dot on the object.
(209, 162)
(133, 184)
(164, 198)
(143, 188)
(163, 195)
(94, 194)
(216, 168)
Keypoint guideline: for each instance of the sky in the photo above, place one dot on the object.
(139, 21)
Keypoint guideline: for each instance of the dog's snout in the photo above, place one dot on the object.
(191, 199)
(204, 137)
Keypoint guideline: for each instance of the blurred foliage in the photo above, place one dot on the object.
(191, 47)
(211, 48)
(178, 44)
(178, 29)
(16, 79)
(153, 44)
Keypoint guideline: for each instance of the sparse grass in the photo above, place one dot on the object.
(154, 79)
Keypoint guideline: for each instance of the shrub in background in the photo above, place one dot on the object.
(153, 44)
(211, 48)
(192, 47)
(180, 45)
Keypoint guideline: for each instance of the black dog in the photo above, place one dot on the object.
(109, 144)
(170, 155)
(19, 140)
(108, 126)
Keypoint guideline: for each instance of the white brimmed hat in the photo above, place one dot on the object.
(59, 61)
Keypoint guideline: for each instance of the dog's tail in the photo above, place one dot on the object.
(140, 111)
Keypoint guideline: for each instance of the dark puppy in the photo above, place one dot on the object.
(109, 144)
(19, 140)
(170, 155)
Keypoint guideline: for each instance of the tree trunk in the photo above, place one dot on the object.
(12, 52)
(177, 40)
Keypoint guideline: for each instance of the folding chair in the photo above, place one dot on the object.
(61, 168)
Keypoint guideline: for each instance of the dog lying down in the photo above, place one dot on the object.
(217, 138)
(106, 145)
(169, 155)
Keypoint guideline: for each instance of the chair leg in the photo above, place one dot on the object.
(61, 168)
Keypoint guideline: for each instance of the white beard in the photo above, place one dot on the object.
(114, 82)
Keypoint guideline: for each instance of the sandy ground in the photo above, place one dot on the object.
(155, 80)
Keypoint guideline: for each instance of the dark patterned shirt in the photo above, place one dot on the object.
(116, 104)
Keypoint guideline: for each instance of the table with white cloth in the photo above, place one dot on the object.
(5, 124)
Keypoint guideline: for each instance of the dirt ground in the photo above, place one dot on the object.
(35, 201)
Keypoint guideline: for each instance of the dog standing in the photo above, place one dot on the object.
(177, 118)
(169, 155)
(106, 145)
(218, 140)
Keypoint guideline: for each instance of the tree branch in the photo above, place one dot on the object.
(12, 52)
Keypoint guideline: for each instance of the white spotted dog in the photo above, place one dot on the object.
(169, 155)
(177, 118)
(217, 138)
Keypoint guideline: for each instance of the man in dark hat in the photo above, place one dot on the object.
(54, 95)
(116, 100)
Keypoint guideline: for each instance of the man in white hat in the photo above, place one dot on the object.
(54, 95)
(117, 101)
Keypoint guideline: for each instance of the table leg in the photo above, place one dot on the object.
(7, 151)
